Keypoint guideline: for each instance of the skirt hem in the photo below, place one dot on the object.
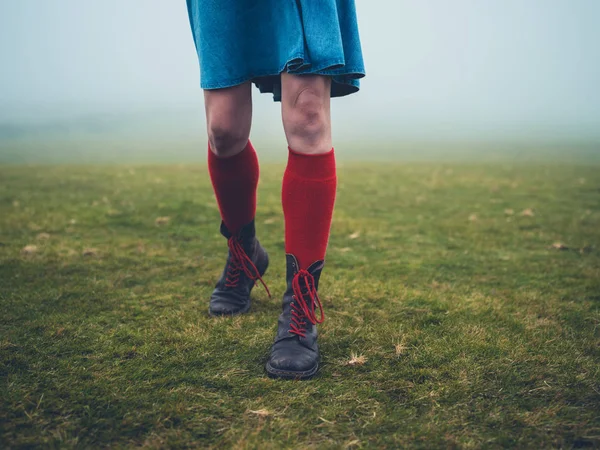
(268, 82)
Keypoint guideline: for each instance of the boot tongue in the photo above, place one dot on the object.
(241, 251)
(246, 233)
(293, 268)
(301, 283)
(306, 304)
(246, 236)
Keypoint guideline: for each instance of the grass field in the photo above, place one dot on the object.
(462, 304)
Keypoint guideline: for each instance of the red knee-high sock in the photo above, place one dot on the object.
(308, 196)
(234, 180)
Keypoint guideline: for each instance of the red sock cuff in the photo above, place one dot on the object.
(319, 166)
(234, 180)
(235, 163)
(308, 196)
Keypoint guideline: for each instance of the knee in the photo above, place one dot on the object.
(225, 138)
(307, 118)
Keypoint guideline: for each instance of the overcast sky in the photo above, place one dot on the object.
(433, 66)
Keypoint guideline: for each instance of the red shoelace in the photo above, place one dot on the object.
(239, 262)
(304, 288)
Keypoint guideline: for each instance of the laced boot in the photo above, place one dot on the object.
(246, 263)
(295, 353)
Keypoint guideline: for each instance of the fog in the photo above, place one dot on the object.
(436, 70)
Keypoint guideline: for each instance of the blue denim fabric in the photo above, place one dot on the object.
(241, 40)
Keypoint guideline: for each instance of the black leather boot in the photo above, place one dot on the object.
(295, 353)
(246, 263)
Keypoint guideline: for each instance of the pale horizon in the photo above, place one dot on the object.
(499, 70)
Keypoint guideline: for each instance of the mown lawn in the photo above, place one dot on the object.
(462, 304)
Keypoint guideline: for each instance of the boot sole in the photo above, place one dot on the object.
(246, 309)
(291, 375)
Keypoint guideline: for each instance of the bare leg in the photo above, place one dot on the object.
(305, 108)
(228, 118)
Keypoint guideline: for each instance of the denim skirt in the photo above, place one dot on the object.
(257, 40)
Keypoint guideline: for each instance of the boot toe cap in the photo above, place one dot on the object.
(221, 305)
(294, 362)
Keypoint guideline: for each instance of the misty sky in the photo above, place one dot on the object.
(444, 67)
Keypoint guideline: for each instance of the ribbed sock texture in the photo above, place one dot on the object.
(234, 181)
(308, 196)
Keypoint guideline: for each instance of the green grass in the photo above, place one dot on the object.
(476, 332)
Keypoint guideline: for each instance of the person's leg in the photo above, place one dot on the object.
(305, 111)
(308, 196)
(233, 168)
(309, 182)
(232, 161)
